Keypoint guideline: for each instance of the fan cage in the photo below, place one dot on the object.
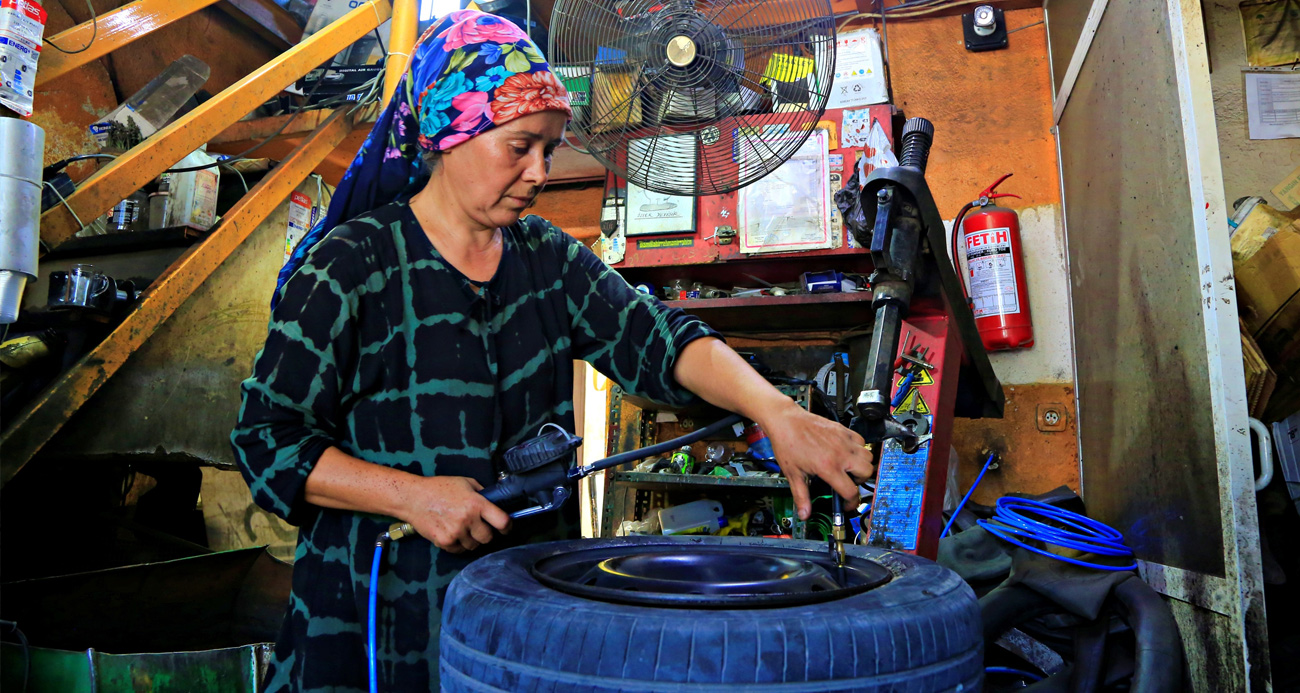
(694, 98)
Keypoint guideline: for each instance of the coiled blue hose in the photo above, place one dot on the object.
(1015, 517)
(1016, 672)
(371, 656)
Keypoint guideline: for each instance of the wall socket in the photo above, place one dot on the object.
(1052, 418)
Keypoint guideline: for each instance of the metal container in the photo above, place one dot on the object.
(23, 145)
(83, 287)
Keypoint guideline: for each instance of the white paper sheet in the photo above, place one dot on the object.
(859, 71)
(1273, 104)
(789, 209)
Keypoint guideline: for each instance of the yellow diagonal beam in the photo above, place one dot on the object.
(401, 41)
(115, 29)
(26, 433)
(131, 171)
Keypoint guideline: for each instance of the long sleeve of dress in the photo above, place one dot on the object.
(292, 404)
(627, 335)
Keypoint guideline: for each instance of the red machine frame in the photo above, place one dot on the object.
(907, 511)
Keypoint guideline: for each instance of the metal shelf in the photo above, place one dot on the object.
(648, 481)
(110, 243)
(781, 313)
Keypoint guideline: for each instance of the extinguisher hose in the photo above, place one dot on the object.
(956, 264)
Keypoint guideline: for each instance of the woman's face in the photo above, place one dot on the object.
(495, 176)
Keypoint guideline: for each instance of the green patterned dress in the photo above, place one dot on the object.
(381, 348)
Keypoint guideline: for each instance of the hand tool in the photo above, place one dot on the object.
(917, 362)
(903, 387)
(837, 534)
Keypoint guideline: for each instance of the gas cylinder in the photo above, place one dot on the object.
(995, 272)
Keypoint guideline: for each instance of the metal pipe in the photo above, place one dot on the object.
(23, 144)
(873, 402)
(401, 40)
(642, 453)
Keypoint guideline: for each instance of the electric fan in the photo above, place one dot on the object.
(694, 97)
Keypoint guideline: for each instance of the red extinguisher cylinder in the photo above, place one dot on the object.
(995, 278)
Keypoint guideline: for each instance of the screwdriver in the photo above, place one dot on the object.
(903, 387)
(837, 535)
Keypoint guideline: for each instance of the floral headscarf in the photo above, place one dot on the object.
(469, 73)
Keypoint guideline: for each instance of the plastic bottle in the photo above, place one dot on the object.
(154, 105)
(696, 517)
(159, 202)
(129, 214)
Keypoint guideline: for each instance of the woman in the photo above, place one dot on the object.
(411, 346)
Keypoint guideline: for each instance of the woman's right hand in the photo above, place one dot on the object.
(450, 512)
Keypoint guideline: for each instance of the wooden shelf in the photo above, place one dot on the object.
(801, 312)
(111, 243)
(684, 482)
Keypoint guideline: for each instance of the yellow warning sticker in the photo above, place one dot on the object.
(921, 380)
(913, 402)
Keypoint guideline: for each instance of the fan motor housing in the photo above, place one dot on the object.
(681, 51)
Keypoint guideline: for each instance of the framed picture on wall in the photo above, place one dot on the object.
(653, 213)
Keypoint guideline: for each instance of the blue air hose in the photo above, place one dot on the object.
(1019, 517)
(1015, 672)
(371, 655)
(962, 504)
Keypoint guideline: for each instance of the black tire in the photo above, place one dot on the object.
(502, 630)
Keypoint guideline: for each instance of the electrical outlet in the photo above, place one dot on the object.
(1052, 418)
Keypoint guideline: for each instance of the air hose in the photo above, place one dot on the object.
(1019, 518)
(400, 530)
(962, 504)
(373, 629)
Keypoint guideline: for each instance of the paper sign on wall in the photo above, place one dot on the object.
(1273, 105)
(790, 208)
(859, 71)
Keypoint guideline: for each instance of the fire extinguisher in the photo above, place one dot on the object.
(994, 280)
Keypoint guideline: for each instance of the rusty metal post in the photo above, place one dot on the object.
(27, 432)
(401, 39)
(144, 162)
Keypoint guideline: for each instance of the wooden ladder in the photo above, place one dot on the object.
(24, 434)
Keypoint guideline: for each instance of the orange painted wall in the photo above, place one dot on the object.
(992, 111)
(992, 114)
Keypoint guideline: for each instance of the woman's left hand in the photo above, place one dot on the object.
(809, 445)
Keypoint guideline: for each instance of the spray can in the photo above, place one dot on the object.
(682, 461)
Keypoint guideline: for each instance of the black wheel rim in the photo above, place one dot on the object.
(707, 576)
